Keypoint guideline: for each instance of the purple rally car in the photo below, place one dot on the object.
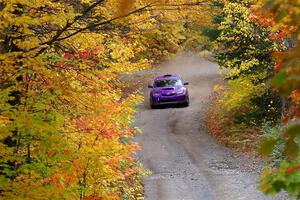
(168, 89)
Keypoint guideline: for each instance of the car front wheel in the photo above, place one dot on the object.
(187, 103)
(151, 104)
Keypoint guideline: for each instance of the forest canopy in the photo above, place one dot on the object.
(66, 120)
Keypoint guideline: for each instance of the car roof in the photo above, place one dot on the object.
(167, 76)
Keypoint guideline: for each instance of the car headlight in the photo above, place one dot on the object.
(156, 94)
(181, 91)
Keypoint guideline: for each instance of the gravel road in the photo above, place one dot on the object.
(186, 162)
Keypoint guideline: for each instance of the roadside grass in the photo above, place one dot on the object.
(240, 137)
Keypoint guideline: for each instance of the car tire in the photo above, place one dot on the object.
(153, 106)
(187, 103)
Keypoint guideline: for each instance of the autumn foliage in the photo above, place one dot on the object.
(66, 122)
(285, 23)
(259, 52)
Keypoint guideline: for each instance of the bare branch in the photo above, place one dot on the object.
(149, 7)
(69, 24)
(199, 3)
(105, 22)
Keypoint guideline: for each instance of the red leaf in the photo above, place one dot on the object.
(279, 65)
(291, 170)
(68, 56)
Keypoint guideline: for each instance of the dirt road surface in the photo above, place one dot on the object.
(186, 162)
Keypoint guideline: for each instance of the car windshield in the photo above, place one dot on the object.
(167, 82)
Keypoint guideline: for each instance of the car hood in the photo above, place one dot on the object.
(168, 89)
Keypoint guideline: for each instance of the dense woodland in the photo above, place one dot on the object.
(256, 45)
(66, 119)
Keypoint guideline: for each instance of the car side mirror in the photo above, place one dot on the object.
(150, 86)
(186, 83)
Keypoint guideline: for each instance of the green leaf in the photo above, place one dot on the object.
(269, 4)
(267, 146)
(278, 186)
(291, 148)
(279, 79)
(293, 130)
(281, 15)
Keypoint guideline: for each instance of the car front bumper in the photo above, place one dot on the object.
(165, 100)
